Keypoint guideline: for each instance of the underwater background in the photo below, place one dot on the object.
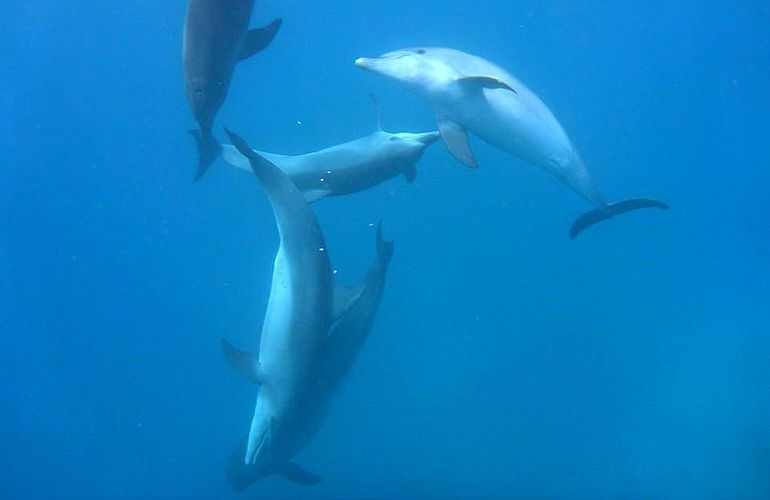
(506, 361)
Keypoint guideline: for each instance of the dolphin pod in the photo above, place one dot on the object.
(301, 358)
(314, 327)
(468, 93)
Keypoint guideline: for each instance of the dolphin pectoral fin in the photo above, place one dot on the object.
(243, 362)
(344, 299)
(455, 138)
(208, 150)
(258, 39)
(487, 82)
(297, 474)
(410, 173)
(597, 215)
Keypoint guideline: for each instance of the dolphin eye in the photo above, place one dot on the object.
(420, 51)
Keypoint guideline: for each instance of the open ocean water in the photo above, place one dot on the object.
(506, 361)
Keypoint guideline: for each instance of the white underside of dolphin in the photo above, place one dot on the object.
(299, 362)
(471, 94)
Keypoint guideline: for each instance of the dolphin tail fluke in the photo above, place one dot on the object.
(208, 150)
(258, 39)
(298, 475)
(610, 210)
(384, 247)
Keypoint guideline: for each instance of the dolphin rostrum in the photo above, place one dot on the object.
(349, 167)
(216, 37)
(300, 361)
(469, 93)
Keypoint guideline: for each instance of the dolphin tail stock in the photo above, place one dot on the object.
(288, 202)
(258, 39)
(208, 150)
(270, 175)
(610, 210)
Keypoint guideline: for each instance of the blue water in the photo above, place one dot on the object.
(506, 360)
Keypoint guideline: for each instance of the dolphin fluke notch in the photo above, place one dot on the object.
(208, 150)
(597, 215)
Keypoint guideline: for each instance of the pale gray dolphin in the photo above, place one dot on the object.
(469, 93)
(349, 167)
(216, 37)
(344, 342)
(295, 342)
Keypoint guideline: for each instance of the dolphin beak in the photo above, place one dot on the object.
(363, 63)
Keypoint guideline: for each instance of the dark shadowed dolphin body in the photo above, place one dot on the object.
(301, 358)
(471, 94)
(216, 37)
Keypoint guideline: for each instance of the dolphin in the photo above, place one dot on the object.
(349, 167)
(469, 93)
(216, 37)
(344, 342)
(291, 366)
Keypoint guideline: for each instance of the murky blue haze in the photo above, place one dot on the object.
(506, 361)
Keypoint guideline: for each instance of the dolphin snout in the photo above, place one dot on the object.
(366, 63)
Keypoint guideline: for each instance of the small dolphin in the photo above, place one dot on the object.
(291, 368)
(469, 93)
(349, 167)
(216, 37)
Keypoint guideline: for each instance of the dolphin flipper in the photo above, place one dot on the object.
(208, 150)
(455, 138)
(597, 215)
(410, 173)
(297, 474)
(243, 362)
(258, 39)
(487, 82)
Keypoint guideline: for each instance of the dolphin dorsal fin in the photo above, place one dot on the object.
(258, 39)
(243, 362)
(376, 106)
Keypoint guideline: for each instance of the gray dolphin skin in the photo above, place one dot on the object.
(344, 342)
(292, 366)
(468, 93)
(216, 37)
(349, 167)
